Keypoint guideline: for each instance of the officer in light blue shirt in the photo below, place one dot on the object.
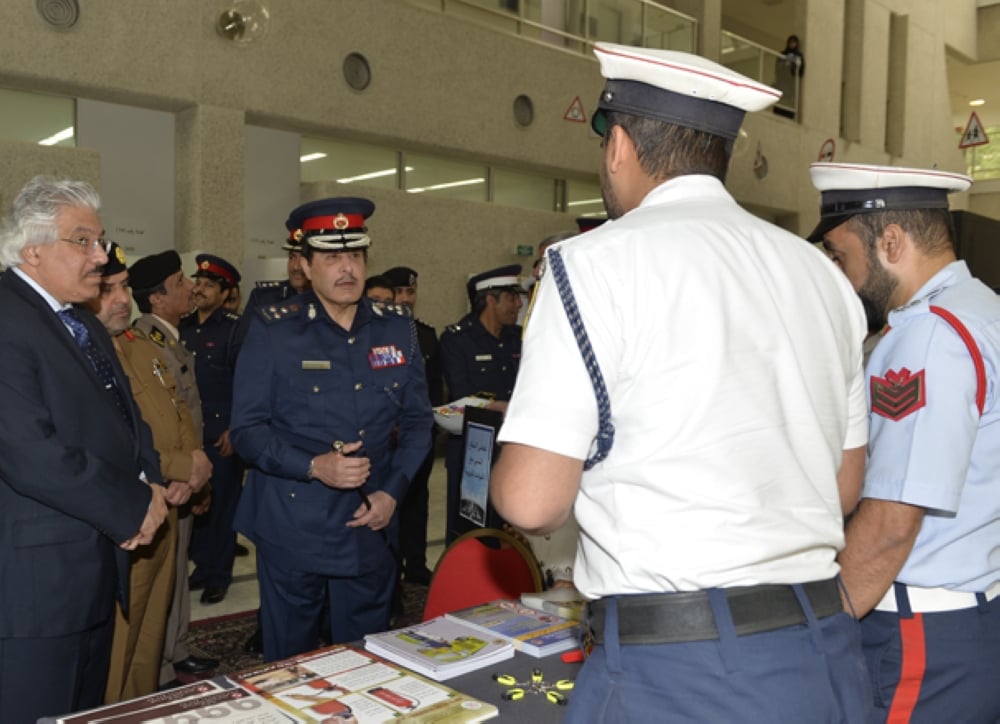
(322, 381)
(922, 559)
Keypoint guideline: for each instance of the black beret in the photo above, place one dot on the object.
(153, 270)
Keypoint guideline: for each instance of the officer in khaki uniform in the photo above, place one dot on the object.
(163, 294)
(138, 640)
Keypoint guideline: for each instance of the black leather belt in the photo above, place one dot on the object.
(663, 618)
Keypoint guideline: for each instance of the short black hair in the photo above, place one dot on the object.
(378, 281)
(666, 150)
(141, 297)
(932, 230)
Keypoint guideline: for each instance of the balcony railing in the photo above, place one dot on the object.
(764, 65)
(577, 24)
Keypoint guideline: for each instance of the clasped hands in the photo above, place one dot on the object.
(339, 469)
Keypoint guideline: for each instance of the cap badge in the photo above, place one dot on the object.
(340, 221)
(119, 255)
(297, 235)
(205, 264)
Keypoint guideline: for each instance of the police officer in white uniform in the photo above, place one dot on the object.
(709, 532)
(921, 563)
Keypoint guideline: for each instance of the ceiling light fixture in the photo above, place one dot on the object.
(373, 174)
(311, 157)
(57, 137)
(449, 185)
(977, 102)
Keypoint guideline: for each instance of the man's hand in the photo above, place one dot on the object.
(225, 447)
(339, 470)
(201, 503)
(383, 506)
(155, 515)
(201, 470)
(178, 493)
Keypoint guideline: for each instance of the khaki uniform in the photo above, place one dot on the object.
(180, 362)
(138, 641)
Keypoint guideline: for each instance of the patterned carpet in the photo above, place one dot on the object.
(224, 637)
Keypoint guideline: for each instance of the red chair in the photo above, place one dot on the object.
(481, 566)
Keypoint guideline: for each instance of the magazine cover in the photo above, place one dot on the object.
(440, 648)
(535, 632)
(347, 685)
(201, 701)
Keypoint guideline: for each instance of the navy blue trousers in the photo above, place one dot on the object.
(213, 540)
(811, 672)
(935, 667)
(292, 604)
(52, 676)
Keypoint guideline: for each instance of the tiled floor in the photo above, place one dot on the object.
(243, 594)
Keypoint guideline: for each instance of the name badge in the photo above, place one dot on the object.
(388, 356)
(484, 357)
(315, 364)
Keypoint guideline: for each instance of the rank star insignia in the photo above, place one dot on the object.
(312, 312)
(898, 394)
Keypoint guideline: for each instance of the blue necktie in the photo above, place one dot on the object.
(98, 360)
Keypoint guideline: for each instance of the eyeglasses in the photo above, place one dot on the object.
(91, 245)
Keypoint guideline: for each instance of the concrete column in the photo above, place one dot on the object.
(823, 41)
(708, 13)
(210, 171)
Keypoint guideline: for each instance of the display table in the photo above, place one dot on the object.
(532, 708)
(350, 682)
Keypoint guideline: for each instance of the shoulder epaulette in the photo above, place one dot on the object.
(422, 323)
(456, 327)
(157, 336)
(379, 309)
(270, 284)
(401, 309)
(232, 316)
(271, 313)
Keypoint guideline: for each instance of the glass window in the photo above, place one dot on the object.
(445, 177)
(983, 162)
(37, 118)
(526, 190)
(583, 198)
(347, 162)
(664, 29)
(575, 24)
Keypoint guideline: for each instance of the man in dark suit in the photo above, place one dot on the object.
(72, 501)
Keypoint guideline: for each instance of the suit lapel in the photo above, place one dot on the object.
(65, 338)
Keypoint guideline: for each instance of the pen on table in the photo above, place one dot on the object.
(338, 447)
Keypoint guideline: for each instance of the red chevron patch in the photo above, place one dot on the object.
(898, 394)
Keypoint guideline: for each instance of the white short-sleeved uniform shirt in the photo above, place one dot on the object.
(929, 446)
(732, 354)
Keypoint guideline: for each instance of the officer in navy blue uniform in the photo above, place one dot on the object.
(322, 382)
(210, 333)
(265, 294)
(277, 290)
(479, 356)
(414, 509)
